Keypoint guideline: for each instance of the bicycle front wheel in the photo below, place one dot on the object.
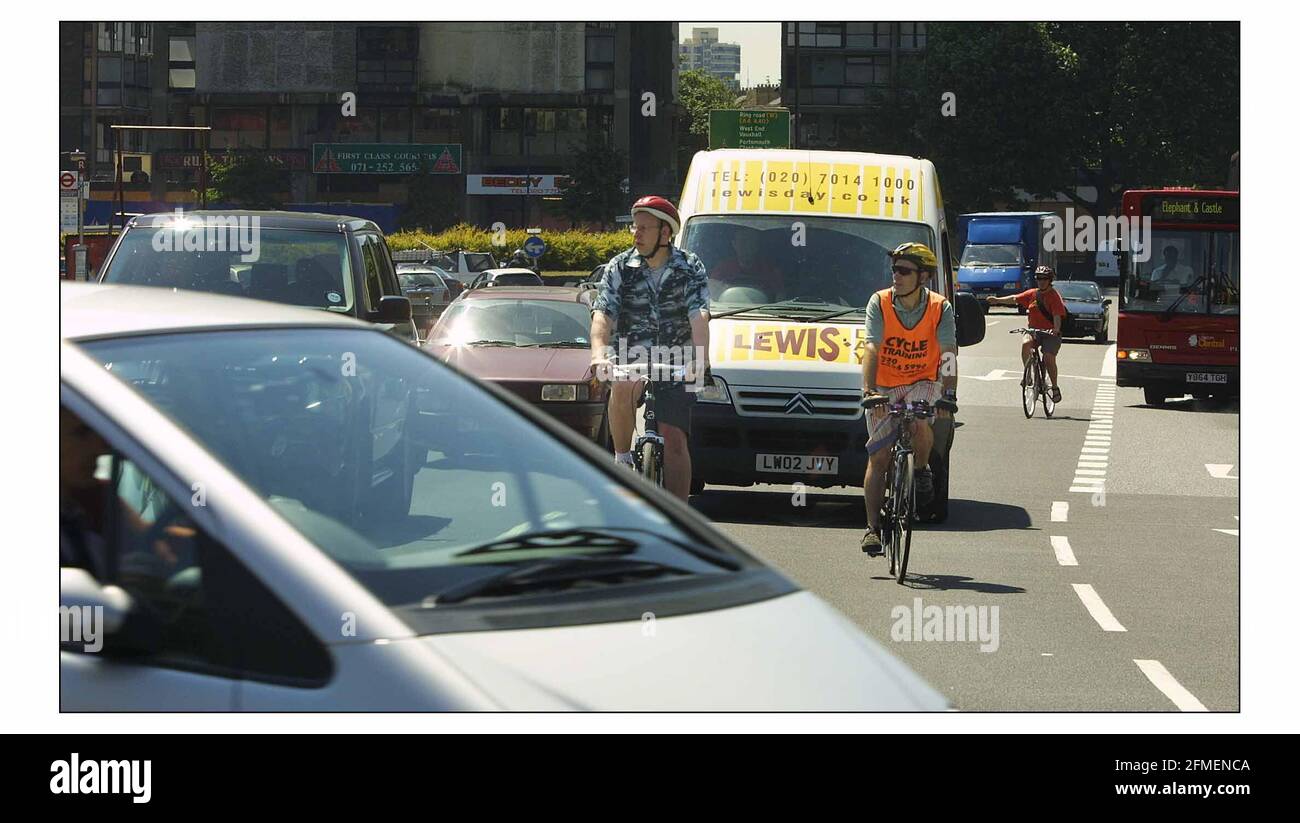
(1029, 391)
(904, 515)
(652, 468)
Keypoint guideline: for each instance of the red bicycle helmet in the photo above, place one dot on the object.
(661, 208)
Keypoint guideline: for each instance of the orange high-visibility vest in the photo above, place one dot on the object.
(906, 355)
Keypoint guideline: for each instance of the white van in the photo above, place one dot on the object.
(795, 242)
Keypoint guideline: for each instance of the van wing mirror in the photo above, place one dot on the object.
(970, 319)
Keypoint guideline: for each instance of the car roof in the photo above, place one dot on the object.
(301, 220)
(563, 294)
(510, 270)
(89, 310)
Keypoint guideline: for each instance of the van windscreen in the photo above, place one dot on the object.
(818, 261)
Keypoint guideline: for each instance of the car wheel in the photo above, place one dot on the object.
(697, 485)
(603, 437)
(1103, 336)
(1021, 310)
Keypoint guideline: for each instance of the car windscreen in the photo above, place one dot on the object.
(407, 474)
(415, 281)
(479, 261)
(515, 322)
(836, 262)
(301, 268)
(1079, 291)
(517, 279)
(991, 254)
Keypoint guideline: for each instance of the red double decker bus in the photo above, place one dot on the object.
(1180, 308)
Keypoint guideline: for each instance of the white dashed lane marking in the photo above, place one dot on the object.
(1060, 511)
(1171, 688)
(1064, 554)
(1096, 608)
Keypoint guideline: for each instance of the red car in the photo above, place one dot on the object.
(533, 341)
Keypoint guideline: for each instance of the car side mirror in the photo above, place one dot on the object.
(393, 309)
(1106, 302)
(970, 319)
(82, 598)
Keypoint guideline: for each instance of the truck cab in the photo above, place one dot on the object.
(999, 252)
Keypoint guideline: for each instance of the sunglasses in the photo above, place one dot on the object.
(1042, 277)
(903, 271)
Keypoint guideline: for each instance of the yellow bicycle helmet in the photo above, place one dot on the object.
(918, 253)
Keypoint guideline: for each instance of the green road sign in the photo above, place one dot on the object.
(749, 129)
(385, 158)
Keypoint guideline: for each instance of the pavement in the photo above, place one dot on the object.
(1089, 561)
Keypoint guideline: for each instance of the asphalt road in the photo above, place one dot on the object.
(1119, 595)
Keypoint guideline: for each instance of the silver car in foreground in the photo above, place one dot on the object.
(300, 513)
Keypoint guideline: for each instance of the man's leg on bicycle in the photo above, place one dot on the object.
(873, 492)
(929, 391)
(1050, 346)
(673, 408)
(623, 396)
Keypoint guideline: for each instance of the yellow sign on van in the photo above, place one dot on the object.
(836, 189)
(743, 342)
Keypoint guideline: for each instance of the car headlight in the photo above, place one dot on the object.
(1141, 355)
(564, 392)
(716, 393)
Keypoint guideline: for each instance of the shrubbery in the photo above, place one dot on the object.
(565, 250)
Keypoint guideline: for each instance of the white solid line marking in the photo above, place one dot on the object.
(1108, 362)
(1220, 470)
(1171, 688)
(1096, 608)
(1064, 554)
(1060, 511)
(1232, 532)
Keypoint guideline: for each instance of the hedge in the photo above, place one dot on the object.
(565, 250)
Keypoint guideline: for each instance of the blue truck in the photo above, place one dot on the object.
(999, 252)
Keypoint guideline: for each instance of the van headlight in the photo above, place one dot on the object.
(1011, 285)
(715, 393)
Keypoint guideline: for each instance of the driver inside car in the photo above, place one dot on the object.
(749, 267)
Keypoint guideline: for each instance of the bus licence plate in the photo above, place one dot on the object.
(797, 463)
(1206, 377)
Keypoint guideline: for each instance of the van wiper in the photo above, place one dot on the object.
(783, 303)
(823, 317)
(601, 540)
(553, 572)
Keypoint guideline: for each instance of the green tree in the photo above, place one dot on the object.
(1046, 107)
(432, 202)
(698, 94)
(250, 180)
(594, 191)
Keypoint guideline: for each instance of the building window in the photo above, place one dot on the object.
(866, 71)
(505, 132)
(555, 131)
(868, 36)
(600, 57)
(282, 128)
(437, 126)
(387, 55)
(234, 128)
(818, 35)
(395, 125)
(180, 64)
(363, 128)
(911, 36)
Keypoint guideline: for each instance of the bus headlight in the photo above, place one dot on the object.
(716, 393)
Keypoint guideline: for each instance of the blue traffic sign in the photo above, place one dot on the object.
(534, 247)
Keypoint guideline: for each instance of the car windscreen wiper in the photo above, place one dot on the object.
(490, 343)
(603, 540)
(552, 572)
(822, 317)
(558, 344)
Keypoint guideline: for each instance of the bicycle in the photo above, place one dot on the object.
(898, 510)
(1034, 384)
(648, 450)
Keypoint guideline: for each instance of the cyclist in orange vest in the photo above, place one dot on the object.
(911, 354)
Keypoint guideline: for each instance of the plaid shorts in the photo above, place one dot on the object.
(883, 435)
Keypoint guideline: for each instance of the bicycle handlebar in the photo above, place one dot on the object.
(914, 408)
(1032, 331)
(662, 371)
